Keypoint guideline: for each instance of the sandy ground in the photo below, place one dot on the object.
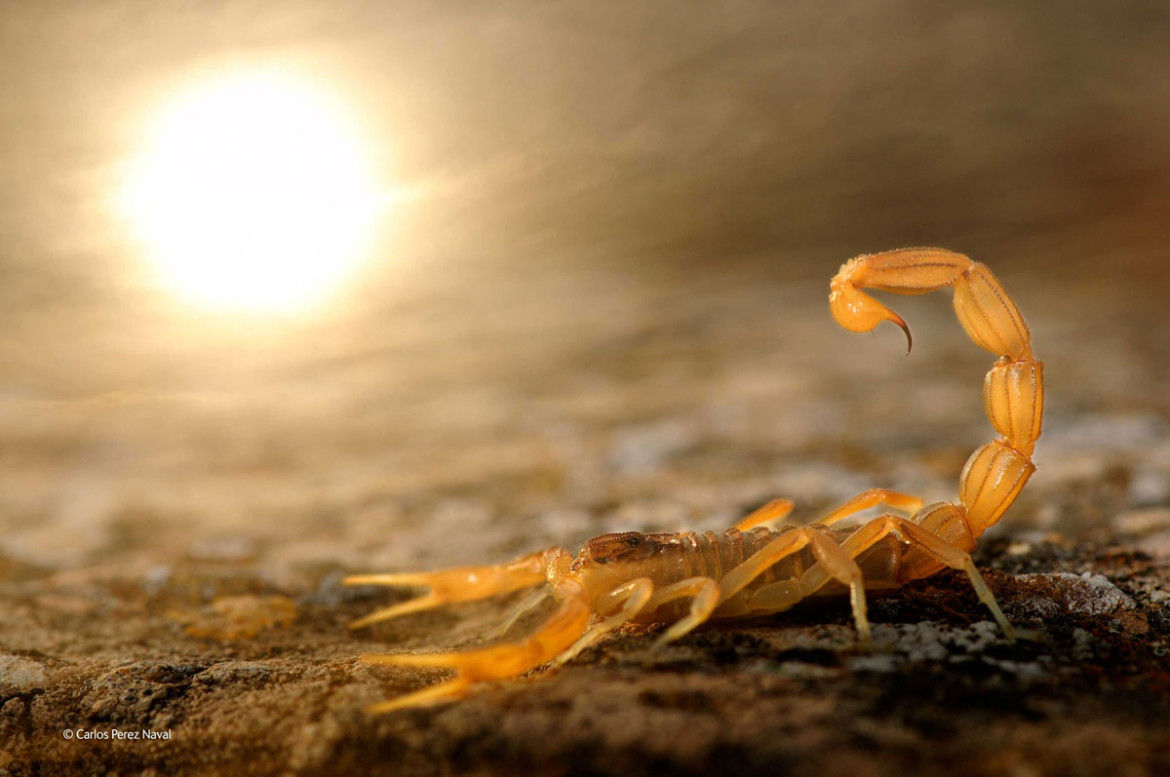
(146, 535)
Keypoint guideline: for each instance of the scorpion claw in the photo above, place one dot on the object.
(495, 662)
(470, 668)
(462, 584)
(417, 604)
(435, 694)
(416, 659)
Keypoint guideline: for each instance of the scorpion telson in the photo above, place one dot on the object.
(758, 567)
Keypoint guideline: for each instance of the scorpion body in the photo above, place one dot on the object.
(756, 567)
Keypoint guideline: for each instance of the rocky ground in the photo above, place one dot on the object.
(171, 559)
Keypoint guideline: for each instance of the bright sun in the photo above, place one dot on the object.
(253, 193)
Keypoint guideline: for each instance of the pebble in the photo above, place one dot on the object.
(922, 642)
(20, 675)
(1157, 545)
(231, 549)
(1084, 594)
(1151, 525)
(1082, 644)
(1149, 487)
(1137, 432)
(235, 671)
(645, 448)
(1143, 521)
(156, 578)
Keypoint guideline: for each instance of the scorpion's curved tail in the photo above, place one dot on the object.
(1013, 392)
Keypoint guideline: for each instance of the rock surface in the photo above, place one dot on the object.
(204, 603)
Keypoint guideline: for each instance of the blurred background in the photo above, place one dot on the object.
(590, 291)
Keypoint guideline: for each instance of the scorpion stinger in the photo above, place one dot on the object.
(757, 568)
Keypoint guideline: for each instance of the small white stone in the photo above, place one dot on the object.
(20, 675)
(1149, 487)
(1144, 521)
(1085, 594)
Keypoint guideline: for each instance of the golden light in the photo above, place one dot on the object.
(253, 193)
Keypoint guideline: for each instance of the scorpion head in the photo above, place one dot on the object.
(629, 546)
(608, 561)
(624, 554)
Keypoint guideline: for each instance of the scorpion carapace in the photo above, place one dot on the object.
(756, 567)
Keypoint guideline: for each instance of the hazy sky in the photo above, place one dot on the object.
(651, 132)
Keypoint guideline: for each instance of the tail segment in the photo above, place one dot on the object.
(1013, 392)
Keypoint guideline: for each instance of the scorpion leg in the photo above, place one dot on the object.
(630, 599)
(705, 598)
(498, 662)
(833, 560)
(457, 585)
(872, 498)
(931, 545)
(526, 605)
(769, 514)
(785, 545)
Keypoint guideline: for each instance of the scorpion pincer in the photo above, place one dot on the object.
(756, 567)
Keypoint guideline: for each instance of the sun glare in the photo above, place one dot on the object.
(253, 193)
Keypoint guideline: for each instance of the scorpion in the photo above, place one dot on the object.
(758, 567)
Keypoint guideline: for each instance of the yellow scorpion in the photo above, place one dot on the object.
(755, 568)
